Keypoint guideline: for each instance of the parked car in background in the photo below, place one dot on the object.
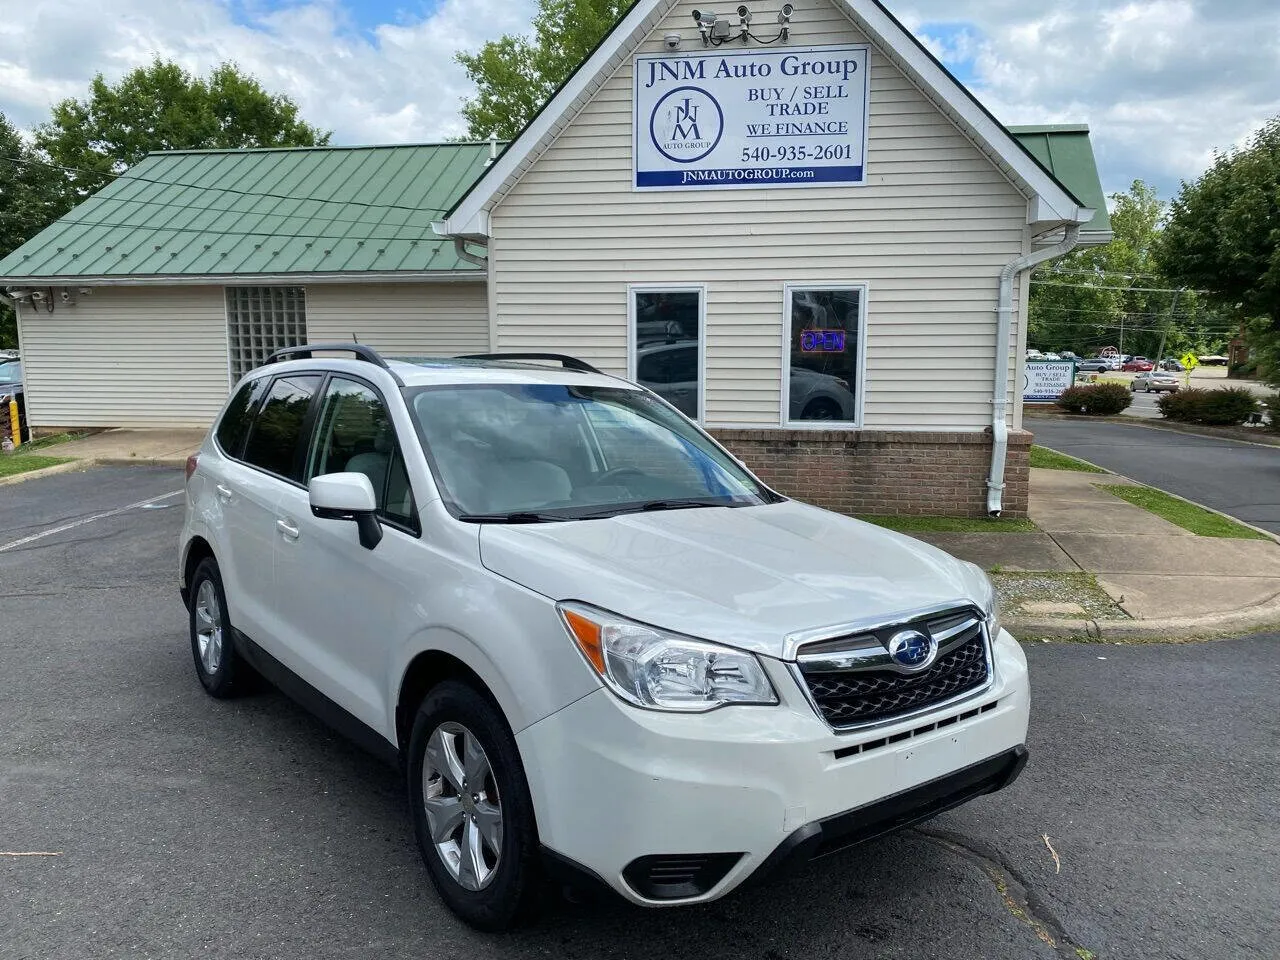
(1068, 355)
(1138, 365)
(1094, 365)
(11, 389)
(671, 371)
(1034, 355)
(1171, 363)
(1050, 356)
(592, 641)
(1155, 381)
(1214, 360)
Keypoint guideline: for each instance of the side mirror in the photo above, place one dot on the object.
(347, 496)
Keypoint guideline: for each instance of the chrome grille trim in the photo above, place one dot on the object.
(955, 627)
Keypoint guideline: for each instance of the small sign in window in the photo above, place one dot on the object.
(822, 341)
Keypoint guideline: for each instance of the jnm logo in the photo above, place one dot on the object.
(686, 124)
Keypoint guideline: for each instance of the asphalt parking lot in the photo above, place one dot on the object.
(170, 825)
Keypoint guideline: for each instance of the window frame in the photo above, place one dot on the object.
(860, 360)
(313, 418)
(632, 360)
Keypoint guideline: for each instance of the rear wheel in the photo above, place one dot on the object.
(821, 410)
(221, 671)
(471, 809)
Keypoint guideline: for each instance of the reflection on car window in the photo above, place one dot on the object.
(570, 452)
(666, 337)
(10, 372)
(276, 433)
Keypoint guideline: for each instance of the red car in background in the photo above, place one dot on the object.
(1138, 365)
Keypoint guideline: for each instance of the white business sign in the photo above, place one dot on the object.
(750, 118)
(1045, 381)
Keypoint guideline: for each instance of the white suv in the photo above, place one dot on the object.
(599, 646)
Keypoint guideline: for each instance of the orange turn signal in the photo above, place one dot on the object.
(587, 635)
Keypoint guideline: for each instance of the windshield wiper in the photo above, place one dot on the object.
(517, 517)
(652, 506)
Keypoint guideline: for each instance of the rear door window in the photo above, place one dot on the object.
(238, 417)
(276, 438)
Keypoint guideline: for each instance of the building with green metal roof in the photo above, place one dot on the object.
(828, 231)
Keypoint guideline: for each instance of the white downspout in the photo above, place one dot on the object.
(1004, 328)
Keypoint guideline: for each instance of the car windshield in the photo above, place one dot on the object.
(524, 453)
(10, 372)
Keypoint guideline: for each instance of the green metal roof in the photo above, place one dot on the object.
(318, 210)
(1064, 150)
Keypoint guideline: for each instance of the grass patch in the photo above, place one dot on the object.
(32, 445)
(1198, 520)
(12, 464)
(953, 524)
(1047, 459)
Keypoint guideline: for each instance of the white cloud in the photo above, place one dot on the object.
(1163, 83)
(398, 82)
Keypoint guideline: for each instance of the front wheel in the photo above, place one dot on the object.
(471, 809)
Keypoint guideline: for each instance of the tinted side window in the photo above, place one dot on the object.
(277, 429)
(238, 416)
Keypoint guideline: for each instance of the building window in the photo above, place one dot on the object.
(262, 320)
(823, 329)
(665, 344)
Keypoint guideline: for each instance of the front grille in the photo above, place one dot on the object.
(871, 690)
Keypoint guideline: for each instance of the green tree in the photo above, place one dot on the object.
(516, 75)
(162, 107)
(30, 197)
(1223, 236)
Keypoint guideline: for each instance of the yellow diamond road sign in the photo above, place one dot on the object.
(1190, 361)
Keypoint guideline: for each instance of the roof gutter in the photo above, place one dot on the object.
(1004, 329)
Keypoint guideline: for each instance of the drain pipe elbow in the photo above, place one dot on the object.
(460, 248)
(1004, 330)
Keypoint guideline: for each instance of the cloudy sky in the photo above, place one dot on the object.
(1163, 83)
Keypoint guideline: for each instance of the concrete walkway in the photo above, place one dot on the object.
(1165, 582)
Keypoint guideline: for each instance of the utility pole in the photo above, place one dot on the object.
(1164, 334)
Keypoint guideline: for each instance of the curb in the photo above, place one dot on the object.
(1184, 429)
(84, 463)
(1258, 619)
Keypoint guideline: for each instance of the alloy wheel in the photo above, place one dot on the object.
(464, 812)
(209, 627)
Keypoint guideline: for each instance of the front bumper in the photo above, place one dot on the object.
(668, 808)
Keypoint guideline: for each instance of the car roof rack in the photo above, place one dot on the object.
(361, 352)
(569, 363)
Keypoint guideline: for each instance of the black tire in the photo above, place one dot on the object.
(510, 897)
(821, 409)
(225, 674)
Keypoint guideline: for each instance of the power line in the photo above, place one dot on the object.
(1089, 286)
(263, 234)
(232, 190)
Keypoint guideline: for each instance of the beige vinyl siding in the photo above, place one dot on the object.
(928, 234)
(402, 319)
(127, 356)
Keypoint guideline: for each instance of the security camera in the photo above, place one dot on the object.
(672, 41)
(37, 294)
(787, 10)
(744, 14)
(697, 16)
(784, 20)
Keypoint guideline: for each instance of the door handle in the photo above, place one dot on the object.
(224, 492)
(288, 529)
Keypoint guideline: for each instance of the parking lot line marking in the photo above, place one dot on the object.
(89, 519)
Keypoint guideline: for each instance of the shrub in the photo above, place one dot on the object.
(1099, 400)
(1228, 407)
(1184, 406)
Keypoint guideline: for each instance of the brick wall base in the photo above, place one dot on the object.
(885, 472)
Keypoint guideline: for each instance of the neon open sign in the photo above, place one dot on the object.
(822, 341)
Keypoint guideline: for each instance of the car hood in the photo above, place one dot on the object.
(744, 576)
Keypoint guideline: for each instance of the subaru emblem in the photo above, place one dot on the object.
(912, 651)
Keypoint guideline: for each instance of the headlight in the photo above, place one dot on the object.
(991, 607)
(664, 671)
